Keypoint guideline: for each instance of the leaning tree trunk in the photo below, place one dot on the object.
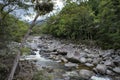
(17, 58)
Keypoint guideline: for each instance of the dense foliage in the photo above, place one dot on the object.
(96, 20)
(11, 29)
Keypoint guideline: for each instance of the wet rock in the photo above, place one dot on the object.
(83, 60)
(89, 64)
(117, 70)
(71, 65)
(101, 68)
(64, 59)
(86, 74)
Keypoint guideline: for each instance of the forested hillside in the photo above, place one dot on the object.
(95, 20)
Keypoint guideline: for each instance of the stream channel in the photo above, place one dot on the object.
(50, 54)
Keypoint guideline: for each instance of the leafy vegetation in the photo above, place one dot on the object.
(11, 29)
(96, 20)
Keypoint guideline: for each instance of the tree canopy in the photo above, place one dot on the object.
(96, 20)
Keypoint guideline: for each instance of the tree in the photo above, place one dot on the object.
(42, 8)
(8, 23)
(109, 21)
(74, 21)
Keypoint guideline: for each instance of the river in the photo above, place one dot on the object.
(49, 55)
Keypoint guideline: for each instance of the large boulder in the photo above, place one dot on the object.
(86, 74)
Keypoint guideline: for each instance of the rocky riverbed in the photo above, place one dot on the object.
(67, 61)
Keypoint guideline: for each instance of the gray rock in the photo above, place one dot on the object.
(73, 54)
(108, 63)
(95, 61)
(89, 60)
(89, 64)
(71, 73)
(109, 72)
(83, 60)
(64, 59)
(117, 70)
(83, 54)
(71, 65)
(101, 68)
(116, 63)
(92, 55)
(88, 51)
(86, 74)
(108, 53)
(98, 59)
(77, 54)
(52, 57)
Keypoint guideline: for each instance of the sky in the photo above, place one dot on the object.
(28, 15)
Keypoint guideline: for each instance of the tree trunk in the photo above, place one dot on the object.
(17, 58)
